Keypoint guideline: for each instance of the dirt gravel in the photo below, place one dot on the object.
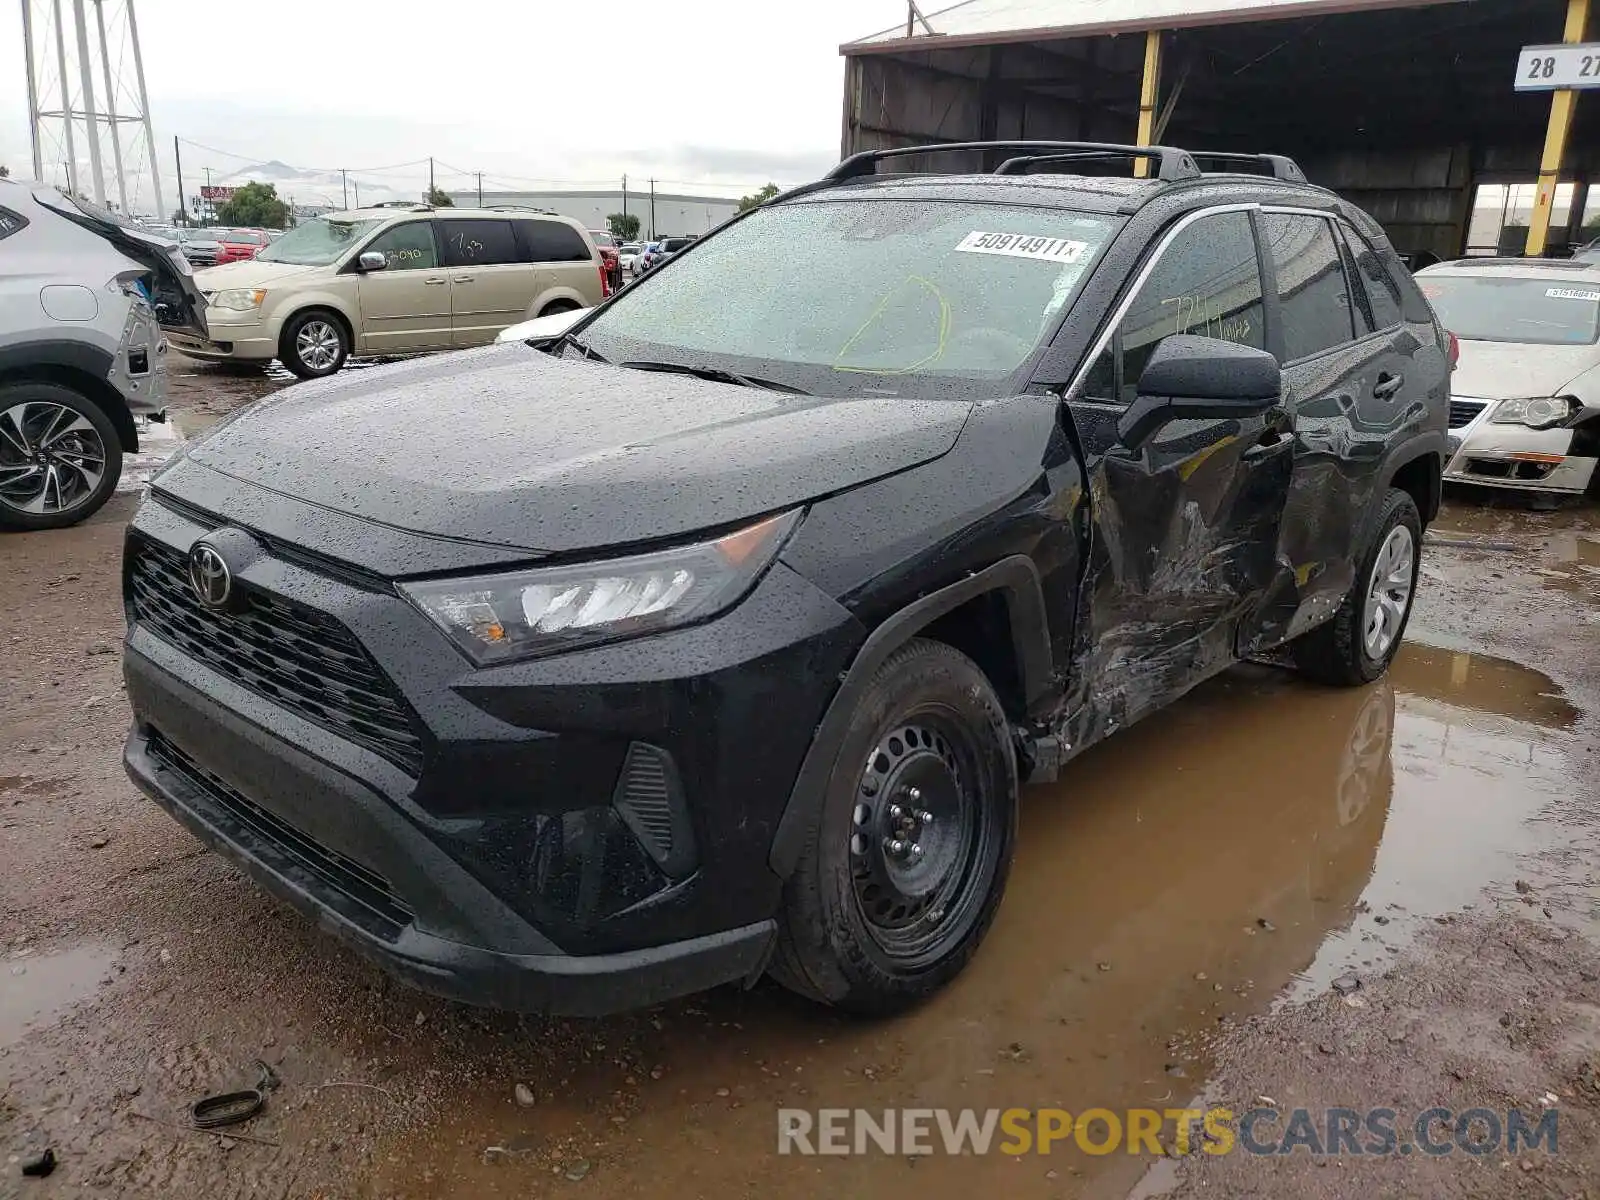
(1180, 905)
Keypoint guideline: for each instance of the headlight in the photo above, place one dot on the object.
(497, 618)
(1541, 412)
(239, 299)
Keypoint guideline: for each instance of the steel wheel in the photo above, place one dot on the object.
(318, 344)
(917, 838)
(52, 458)
(1388, 593)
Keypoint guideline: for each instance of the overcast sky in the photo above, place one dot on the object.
(696, 92)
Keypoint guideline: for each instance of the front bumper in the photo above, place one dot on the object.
(501, 867)
(351, 903)
(242, 341)
(1515, 456)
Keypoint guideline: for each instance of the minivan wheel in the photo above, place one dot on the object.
(1357, 645)
(60, 456)
(902, 873)
(314, 344)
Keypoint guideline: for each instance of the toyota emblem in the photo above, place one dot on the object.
(209, 576)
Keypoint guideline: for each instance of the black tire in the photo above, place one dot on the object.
(927, 710)
(70, 454)
(558, 306)
(324, 324)
(1336, 652)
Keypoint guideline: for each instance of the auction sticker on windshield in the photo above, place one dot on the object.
(1019, 245)
(1571, 294)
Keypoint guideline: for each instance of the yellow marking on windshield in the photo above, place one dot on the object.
(938, 350)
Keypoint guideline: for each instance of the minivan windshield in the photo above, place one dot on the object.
(876, 296)
(1511, 308)
(318, 242)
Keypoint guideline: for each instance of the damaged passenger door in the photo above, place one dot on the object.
(1186, 497)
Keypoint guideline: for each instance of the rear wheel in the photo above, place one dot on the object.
(314, 344)
(901, 875)
(558, 306)
(60, 456)
(1358, 643)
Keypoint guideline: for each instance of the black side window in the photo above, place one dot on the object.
(1207, 283)
(1383, 294)
(478, 243)
(1313, 298)
(1360, 306)
(10, 222)
(551, 241)
(407, 247)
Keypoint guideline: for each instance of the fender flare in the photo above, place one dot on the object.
(84, 359)
(1017, 578)
(1406, 453)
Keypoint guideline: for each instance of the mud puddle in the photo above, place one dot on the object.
(1259, 835)
(36, 987)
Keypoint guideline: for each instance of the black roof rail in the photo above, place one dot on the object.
(1172, 163)
(547, 212)
(1282, 167)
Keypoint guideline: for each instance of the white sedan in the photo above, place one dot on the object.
(1525, 395)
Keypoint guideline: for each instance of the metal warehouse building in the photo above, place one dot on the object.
(1407, 107)
(663, 214)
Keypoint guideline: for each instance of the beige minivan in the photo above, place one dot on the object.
(393, 281)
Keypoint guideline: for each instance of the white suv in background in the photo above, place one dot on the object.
(394, 281)
(83, 301)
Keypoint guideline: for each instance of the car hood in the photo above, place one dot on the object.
(1500, 370)
(248, 273)
(509, 448)
(542, 329)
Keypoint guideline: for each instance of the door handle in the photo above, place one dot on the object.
(1270, 440)
(1387, 386)
(434, 280)
(463, 278)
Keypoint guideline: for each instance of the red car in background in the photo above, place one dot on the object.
(610, 260)
(237, 245)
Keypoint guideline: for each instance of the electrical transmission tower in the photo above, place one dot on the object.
(85, 87)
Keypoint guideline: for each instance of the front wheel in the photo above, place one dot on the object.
(60, 456)
(314, 344)
(1363, 636)
(902, 872)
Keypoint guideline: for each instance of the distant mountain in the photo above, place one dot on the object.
(308, 186)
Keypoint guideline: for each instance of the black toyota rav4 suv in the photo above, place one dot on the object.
(716, 637)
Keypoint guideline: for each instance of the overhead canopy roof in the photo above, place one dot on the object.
(976, 22)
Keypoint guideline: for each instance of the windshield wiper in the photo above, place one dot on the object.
(716, 375)
(566, 339)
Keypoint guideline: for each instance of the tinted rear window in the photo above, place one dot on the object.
(552, 241)
(1509, 308)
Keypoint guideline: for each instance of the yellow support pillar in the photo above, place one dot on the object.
(1150, 90)
(1555, 139)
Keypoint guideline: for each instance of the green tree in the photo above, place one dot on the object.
(255, 205)
(761, 197)
(438, 197)
(624, 226)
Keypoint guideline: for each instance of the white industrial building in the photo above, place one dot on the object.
(665, 215)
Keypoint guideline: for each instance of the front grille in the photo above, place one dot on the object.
(1462, 412)
(371, 901)
(293, 655)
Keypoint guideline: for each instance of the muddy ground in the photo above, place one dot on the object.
(1180, 905)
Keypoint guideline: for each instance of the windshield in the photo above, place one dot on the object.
(253, 236)
(602, 239)
(1508, 308)
(318, 242)
(868, 296)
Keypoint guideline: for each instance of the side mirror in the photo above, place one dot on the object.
(371, 260)
(1197, 377)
